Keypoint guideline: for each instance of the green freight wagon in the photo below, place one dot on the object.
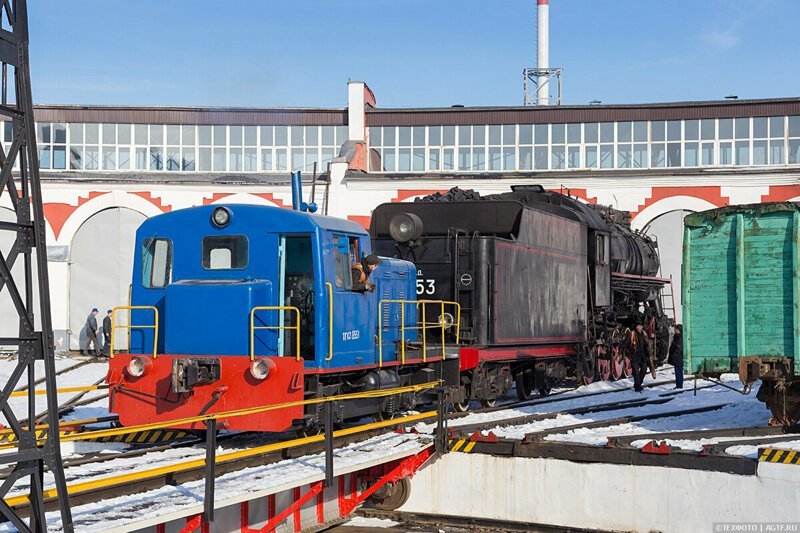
(741, 282)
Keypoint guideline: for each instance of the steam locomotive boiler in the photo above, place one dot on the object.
(547, 284)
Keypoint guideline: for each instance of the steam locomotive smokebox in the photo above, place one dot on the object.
(214, 317)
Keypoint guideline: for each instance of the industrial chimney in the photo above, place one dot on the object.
(543, 50)
(540, 75)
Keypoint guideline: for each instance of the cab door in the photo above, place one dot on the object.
(351, 322)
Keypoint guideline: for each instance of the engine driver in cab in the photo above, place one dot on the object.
(361, 271)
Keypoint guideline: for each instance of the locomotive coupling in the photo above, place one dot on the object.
(189, 372)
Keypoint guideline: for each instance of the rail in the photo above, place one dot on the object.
(129, 327)
(422, 325)
(64, 390)
(281, 309)
(380, 393)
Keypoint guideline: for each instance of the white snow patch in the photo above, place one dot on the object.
(361, 521)
(86, 375)
(751, 451)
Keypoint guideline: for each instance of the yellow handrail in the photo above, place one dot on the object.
(423, 325)
(330, 320)
(280, 308)
(129, 327)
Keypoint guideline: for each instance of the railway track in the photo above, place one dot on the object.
(459, 523)
(666, 448)
(551, 398)
(140, 450)
(83, 490)
(192, 470)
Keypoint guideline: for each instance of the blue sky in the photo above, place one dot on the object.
(423, 53)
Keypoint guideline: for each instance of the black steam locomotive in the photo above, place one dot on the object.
(548, 285)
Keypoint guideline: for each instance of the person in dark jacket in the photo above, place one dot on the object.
(676, 354)
(361, 271)
(107, 333)
(638, 349)
(91, 333)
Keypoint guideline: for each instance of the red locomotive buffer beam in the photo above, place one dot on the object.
(150, 398)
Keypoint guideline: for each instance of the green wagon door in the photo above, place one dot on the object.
(740, 285)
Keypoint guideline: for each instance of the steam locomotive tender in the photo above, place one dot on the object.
(547, 284)
(241, 306)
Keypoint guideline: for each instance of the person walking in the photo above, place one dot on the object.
(638, 350)
(361, 271)
(91, 333)
(676, 354)
(107, 334)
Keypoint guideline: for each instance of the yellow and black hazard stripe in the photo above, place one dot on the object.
(776, 455)
(140, 437)
(461, 445)
(143, 437)
(9, 439)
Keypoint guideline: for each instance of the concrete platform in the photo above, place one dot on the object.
(601, 496)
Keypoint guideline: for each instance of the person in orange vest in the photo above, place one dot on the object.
(361, 272)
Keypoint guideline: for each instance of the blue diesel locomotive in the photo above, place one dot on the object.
(240, 306)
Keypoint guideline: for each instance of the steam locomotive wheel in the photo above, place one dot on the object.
(488, 402)
(524, 386)
(381, 416)
(588, 368)
(310, 431)
(461, 407)
(588, 371)
(617, 365)
(628, 369)
(604, 369)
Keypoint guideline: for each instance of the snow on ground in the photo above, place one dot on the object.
(737, 410)
(623, 390)
(361, 521)
(86, 375)
(115, 512)
(751, 451)
(153, 459)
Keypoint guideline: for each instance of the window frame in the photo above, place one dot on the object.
(352, 255)
(168, 270)
(206, 265)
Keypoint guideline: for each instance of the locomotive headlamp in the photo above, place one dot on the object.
(447, 319)
(260, 369)
(405, 227)
(138, 366)
(221, 217)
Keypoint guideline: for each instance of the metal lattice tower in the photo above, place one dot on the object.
(21, 189)
(536, 80)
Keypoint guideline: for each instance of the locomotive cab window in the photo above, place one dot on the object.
(345, 255)
(156, 263)
(602, 249)
(224, 252)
